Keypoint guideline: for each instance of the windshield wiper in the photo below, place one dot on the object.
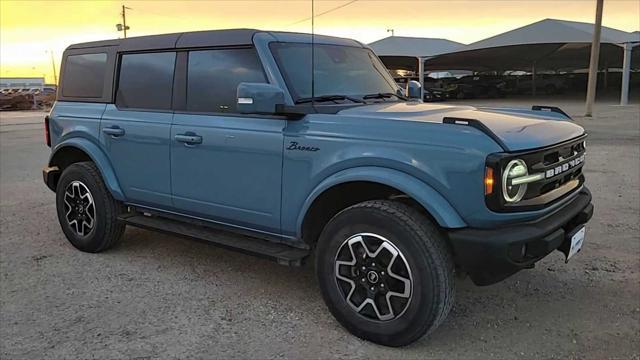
(333, 98)
(383, 96)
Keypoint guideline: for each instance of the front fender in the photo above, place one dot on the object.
(99, 158)
(424, 194)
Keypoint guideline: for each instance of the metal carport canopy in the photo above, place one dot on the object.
(548, 44)
(403, 52)
(407, 53)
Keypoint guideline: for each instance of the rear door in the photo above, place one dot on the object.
(225, 166)
(135, 131)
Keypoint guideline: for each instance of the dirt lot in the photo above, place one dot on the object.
(159, 296)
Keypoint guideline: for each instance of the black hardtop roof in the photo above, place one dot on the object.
(176, 40)
(207, 38)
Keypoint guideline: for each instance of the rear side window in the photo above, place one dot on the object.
(84, 75)
(146, 81)
(213, 77)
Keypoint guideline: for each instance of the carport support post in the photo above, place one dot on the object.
(626, 72)
(421, 77)
(533, 79)
(593, 63)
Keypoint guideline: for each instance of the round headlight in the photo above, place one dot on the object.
(514, 169)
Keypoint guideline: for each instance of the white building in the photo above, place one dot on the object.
(32, 83)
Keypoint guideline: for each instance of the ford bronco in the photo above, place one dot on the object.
(227, 136)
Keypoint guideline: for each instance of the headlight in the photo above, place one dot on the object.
(514, 192)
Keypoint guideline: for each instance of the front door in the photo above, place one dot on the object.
(228, 169)
(224, 166)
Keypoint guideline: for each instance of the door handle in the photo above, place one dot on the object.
(189, 139)
(114, 131)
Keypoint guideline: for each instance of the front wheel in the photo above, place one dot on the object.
(385, 272)
(86, 210)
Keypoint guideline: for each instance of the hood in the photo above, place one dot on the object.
(516, 129)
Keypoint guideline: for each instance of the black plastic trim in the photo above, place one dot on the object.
(486, 254)
(50, 175)
(478, 125)
(279, 252)
(554, 109)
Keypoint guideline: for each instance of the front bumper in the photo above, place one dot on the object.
(491, 255)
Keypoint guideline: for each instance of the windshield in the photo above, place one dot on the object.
(339, 70)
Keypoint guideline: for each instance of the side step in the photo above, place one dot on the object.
(281, 253)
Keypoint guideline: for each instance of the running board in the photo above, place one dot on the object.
(281, 253)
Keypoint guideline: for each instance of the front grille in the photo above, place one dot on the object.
(561, 165)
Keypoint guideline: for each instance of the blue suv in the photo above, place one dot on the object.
(228, 136)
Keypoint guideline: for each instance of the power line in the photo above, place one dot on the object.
(323, 13)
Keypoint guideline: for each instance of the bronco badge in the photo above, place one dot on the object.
(294, 146)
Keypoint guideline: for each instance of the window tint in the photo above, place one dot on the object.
(339, 70)
(214, 75)
(146, 81)
(84, 75)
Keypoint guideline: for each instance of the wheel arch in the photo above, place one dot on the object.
(355, 185)
(79, 149)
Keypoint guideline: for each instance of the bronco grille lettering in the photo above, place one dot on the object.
(564, 167)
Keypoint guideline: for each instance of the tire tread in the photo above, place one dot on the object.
(113, 228)
(432, 242)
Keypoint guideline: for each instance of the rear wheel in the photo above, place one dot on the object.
(385, 272)
(86, 210)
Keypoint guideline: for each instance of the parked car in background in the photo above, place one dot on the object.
(430, 94)
(476, 86)
(545, 84)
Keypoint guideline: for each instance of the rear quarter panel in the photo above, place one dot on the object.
(75, 119)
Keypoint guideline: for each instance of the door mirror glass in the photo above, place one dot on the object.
(257, 98)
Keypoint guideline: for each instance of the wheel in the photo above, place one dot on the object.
(86, 210)
(385, 272)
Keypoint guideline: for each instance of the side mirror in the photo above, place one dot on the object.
(413, 90)
(259, 98)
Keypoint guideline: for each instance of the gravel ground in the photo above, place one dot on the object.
(160, 296)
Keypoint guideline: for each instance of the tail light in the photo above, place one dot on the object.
(47, 135)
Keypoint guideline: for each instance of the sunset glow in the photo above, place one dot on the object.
(28, 29)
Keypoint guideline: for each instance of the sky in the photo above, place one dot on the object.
(31, 31)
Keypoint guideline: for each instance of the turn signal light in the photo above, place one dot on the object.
(488, 180)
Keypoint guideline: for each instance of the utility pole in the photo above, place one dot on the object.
(123, 27)
(593, 64)
(53, 66)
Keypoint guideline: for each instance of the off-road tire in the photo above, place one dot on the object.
(106, 230)
(426, 253)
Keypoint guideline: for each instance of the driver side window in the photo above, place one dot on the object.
(213, 77)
